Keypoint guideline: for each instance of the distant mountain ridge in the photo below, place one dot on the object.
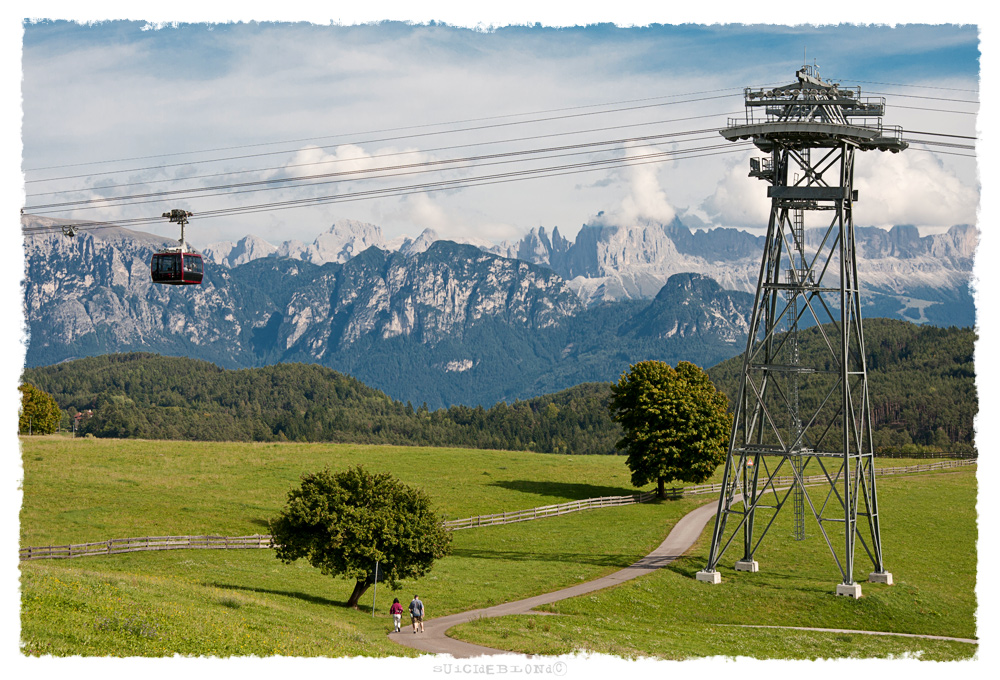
(448, 323)
(451, 324)
(905, 275)
(901, 270)
(342, 241)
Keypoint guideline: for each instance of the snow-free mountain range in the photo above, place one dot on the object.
(429, 320)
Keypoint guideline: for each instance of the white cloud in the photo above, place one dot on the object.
(738, 200)
(646, 199)
(912, 187)
(424, 213)
(417, 212)
(349, 158)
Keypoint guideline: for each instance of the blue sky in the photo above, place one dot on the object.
(116, 90)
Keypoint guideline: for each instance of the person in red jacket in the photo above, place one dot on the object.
(397, 613)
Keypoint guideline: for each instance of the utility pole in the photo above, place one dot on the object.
(375, 589)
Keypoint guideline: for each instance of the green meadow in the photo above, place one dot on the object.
(241, 602)
(668, 614)
(225, 602)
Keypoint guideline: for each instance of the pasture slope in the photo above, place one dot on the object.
(225, 603)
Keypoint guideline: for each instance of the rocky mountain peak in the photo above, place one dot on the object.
(692, 305)
(410, 247)
(229, 254)
(342, 241)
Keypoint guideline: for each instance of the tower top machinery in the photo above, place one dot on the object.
(812, 113)
(802, 418)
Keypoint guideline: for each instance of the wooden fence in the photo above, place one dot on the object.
(786, 480)
(945, 454)
(125, 545)
(547, 511)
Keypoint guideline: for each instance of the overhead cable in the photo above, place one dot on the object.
(385, 139)
(410, 189)
(295, 182)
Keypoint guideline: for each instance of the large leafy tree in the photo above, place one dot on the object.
(676, 425)
(40, 413)
(343, 522)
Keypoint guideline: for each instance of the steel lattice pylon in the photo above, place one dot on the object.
(797, 410)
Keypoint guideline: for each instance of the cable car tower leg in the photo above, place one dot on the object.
(811, 138)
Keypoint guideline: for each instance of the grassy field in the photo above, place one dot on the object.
(94, 489)
(80, 490)
(242, 602)
(670, 615)
(246, 602)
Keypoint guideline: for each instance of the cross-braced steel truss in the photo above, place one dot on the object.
(805, 411)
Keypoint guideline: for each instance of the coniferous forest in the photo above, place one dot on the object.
(921, 378)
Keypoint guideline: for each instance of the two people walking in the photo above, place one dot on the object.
(416, 614)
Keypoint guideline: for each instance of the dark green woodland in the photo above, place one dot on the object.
(922, 386)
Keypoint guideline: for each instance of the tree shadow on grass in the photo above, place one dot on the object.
(306, 597)
(261, 523)
(566, 490)
(528, 556)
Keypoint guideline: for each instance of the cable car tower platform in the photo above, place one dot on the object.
(804, 417)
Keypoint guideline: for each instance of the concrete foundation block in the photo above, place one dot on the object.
(747, 565)
(853, 590)
(880, 577)
(709, 576)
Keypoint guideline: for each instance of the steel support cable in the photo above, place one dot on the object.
(927, 108)
(400, 191)
(473, 183)
(380, 131)
(945, 153)
(344, 198)
(924, 87)
(417, 172)
(394, 153)
(91, 225)
(939, 134)
(292, 182)
(919, 96)
(348, 175)
(952, 145)
(392, 138)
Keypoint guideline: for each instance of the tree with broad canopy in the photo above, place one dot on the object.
(40, 413)
(344, 522)
(675, 421)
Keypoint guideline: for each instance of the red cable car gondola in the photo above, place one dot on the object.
(176, 266)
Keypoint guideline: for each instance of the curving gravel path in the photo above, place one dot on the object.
(434, 640)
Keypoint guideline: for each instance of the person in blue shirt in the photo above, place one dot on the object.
(417, 614)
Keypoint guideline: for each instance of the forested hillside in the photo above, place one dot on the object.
(154, 397)
(921, 383)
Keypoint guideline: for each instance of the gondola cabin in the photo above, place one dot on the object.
(176, 268)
